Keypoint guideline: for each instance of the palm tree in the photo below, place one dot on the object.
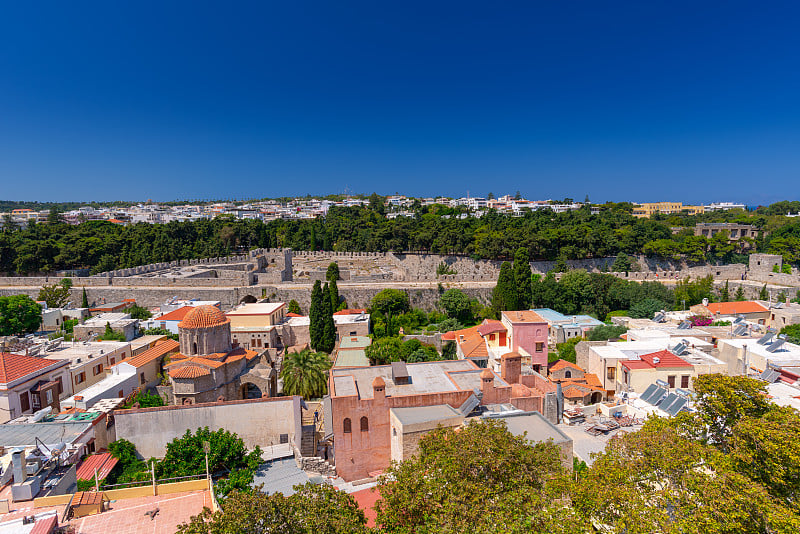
(304, 373)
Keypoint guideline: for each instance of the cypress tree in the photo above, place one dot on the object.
(763, 294)
(333, 272)
(739, 294)
(725, 294)
(504, 296)
(85, 300)
(333, 289)
(522, 279)
(314, 313)
(328, 339)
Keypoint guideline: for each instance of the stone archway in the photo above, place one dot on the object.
(250, 390)
(248, 299)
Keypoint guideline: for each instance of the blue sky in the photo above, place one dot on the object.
(638, 101)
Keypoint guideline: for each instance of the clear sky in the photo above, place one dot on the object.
(640, 100)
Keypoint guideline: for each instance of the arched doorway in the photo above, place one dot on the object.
(251, 391)
(597, 397)
(248, 299)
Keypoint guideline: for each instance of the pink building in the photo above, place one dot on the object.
(361, 399)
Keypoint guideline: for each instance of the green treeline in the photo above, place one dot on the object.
(103, 246)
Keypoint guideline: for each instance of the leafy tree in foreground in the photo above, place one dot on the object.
(646, 309)
(606, 332)
(313, 509)
(304, 374)
(333, 272)
(19, 315)
(138, 312)
(475, 480)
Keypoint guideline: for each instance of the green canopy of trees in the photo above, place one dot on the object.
(304, 373)
(19, 315)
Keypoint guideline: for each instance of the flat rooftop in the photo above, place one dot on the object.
(425, 414)
(258, 308)
(354, 342)
(533, 426)
(787, 354)
(85, 350)
(554, 317)
(140, 342)
(25, 434)
(351, 358)
(426, 377)
(103, 318)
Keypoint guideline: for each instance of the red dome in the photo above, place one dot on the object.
(203, 317)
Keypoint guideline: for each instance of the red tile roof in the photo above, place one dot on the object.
(560, 364)
(351, 311)
(204, 317)
(46, 525)
(87, 497)
(292, 314)
(490, 327)
(666, 359)
(189, 371)
(14, 366)
(103, 462)
(153, 353)
(732, 308)
(175, 315)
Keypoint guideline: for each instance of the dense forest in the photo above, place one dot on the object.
(103, 246)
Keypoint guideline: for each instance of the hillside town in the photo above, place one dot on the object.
(312, 208)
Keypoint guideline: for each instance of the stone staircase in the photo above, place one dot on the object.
(308, 441)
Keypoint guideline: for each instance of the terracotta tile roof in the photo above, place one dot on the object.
(45, 525)
(175, 315)
(103, 462)
(489, 326)
(666, 359)
(572, 391)
(204, 317)
(189, 371)
(524, 316)
(560, 364)
(153, 353)
(87, 497)
(14, 366)
(197, 360)
(292, 314)
(732, 308)
(351, 311)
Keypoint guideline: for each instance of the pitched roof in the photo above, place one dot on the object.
(153, 353)
(175, 315)
(292, 314)
(560, 364)
(14, 366)
(103, 462)
(490, 327)
(189, 371)
(666, 359)
(732, 308)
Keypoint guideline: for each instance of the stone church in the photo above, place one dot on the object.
(209, 367)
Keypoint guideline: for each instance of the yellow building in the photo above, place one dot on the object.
(666, 208)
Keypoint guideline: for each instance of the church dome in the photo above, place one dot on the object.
(203, 317)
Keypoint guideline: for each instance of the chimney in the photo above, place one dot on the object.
(705, 302)
(487, 387)
(510, 367)
(18, 465)
(378, 389)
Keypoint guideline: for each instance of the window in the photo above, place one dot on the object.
(625, 375)
(194, 348)
(671, 381)
(364, 424)
(491, 337)
(60, 385)
(685, 381)
(24, 401)
(539, 347)
(567, 374)
(97, 369)
(141, 378)
(112, 361)
(347, 426)
(80, 377)
(611, 373)
(49, 396)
